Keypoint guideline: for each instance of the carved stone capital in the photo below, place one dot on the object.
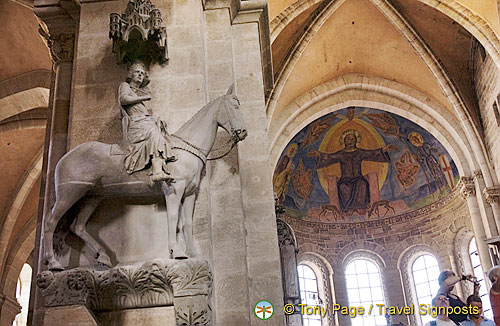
(62, 46)
(478, 174)
(467, 187)
(491, 195)
(151, 284)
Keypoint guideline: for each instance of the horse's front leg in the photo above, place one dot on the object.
(173, 196)
(188, 208)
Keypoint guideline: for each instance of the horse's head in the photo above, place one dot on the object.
(229, 116)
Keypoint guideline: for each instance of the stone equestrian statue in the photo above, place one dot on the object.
(93, 170)
(147, 138)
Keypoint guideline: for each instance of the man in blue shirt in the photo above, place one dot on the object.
(476, 319)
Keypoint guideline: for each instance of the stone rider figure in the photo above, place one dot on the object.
(147, 138)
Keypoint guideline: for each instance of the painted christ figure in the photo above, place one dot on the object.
(353, 189)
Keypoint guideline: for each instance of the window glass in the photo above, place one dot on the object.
(309, 294)
(425, 271)
(364, 289)
(23, 295)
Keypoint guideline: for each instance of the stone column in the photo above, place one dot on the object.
(468, 192)
(60, 21)
(9, 308)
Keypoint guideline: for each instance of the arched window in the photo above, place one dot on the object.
(425, 271)
(309, 293)
(364, 288)
(23, 295)
(479, 274)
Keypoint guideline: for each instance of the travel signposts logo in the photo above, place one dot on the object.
(264, 310)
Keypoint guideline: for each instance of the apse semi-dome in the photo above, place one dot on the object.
(358, 164)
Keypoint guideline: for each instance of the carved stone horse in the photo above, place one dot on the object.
(89, 172)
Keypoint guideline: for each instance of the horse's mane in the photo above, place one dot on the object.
(195, 117)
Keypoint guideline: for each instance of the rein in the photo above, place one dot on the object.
(234, 139)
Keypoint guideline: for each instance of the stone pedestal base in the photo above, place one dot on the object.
(74, 315)
(77, 315)
(161, 292)
(159, 316)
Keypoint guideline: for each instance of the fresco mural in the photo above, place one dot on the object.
(360, 163)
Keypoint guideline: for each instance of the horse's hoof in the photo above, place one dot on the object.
(55, 266)
(104, 260)
(178, 254)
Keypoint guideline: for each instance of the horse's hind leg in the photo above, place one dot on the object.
(88, 206)
(66, 196)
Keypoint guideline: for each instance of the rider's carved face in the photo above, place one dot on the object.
(138, 75)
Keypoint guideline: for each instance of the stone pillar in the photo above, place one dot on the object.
(61, 23)
(263, 259)
(468, 192)
(9, 308)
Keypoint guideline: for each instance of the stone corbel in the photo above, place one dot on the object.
(467, 187)
(491, 195)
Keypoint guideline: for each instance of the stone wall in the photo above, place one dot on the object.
(387, 240)
(487, 84)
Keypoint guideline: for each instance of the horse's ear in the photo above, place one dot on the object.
(230, 91)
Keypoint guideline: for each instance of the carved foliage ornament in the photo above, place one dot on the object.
(138, 34)
(62, 46)
(150, 285)
(491, 195)
(467, 187)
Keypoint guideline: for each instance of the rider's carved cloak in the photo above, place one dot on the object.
(143, 136)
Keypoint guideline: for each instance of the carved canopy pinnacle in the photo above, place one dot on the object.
(491, 195)
(138, 34)
(467, 187)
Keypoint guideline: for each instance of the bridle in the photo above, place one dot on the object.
(235, 138)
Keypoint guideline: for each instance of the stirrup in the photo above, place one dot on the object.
(161, 177)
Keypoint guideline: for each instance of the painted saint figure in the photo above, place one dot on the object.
(143, 134)
(353, 189)
(281, 177)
